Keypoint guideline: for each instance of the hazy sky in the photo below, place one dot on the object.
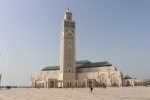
(117, 31)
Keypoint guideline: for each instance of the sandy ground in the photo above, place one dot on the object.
(110, 93)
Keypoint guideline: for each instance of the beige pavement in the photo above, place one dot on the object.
(121, 93)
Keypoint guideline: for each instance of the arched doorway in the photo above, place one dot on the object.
(83, 84)
(114, 84)
(114, 81)
(79, 84)
(68, 84)
(52, 84)
(59, 84)
(76, 84)
(103, 80)
(90, 83)
(128, 83)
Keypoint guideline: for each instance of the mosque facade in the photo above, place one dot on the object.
(72, 73)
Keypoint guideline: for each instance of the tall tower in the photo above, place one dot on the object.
(67, 48)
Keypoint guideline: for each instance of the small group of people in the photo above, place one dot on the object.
(8, 87)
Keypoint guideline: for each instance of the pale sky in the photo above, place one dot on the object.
(117, 31)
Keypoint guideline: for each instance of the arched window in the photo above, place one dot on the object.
(69, 71)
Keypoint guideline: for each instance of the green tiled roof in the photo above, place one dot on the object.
(80, 64)
(127, 77)
(95, 64)
(50, 68)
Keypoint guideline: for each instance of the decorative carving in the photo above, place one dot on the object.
(69, 24)
(69, 46)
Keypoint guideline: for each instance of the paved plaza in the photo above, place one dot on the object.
(110, 93)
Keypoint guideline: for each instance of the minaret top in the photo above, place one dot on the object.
(68, 11)
(68, 15)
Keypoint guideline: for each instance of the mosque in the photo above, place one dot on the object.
(72, 73)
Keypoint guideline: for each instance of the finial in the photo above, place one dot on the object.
(68, 7)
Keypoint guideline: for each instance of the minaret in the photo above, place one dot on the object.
(67, 48)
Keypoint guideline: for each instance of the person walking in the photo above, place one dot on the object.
(91, 88)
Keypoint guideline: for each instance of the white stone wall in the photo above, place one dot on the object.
(102, 75)
(136, 82)
(128, 82)
(43, 77)
(106, 75)
(96, 69)
(141, 82)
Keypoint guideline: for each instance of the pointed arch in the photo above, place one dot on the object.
(114, 79)
(103, 79)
